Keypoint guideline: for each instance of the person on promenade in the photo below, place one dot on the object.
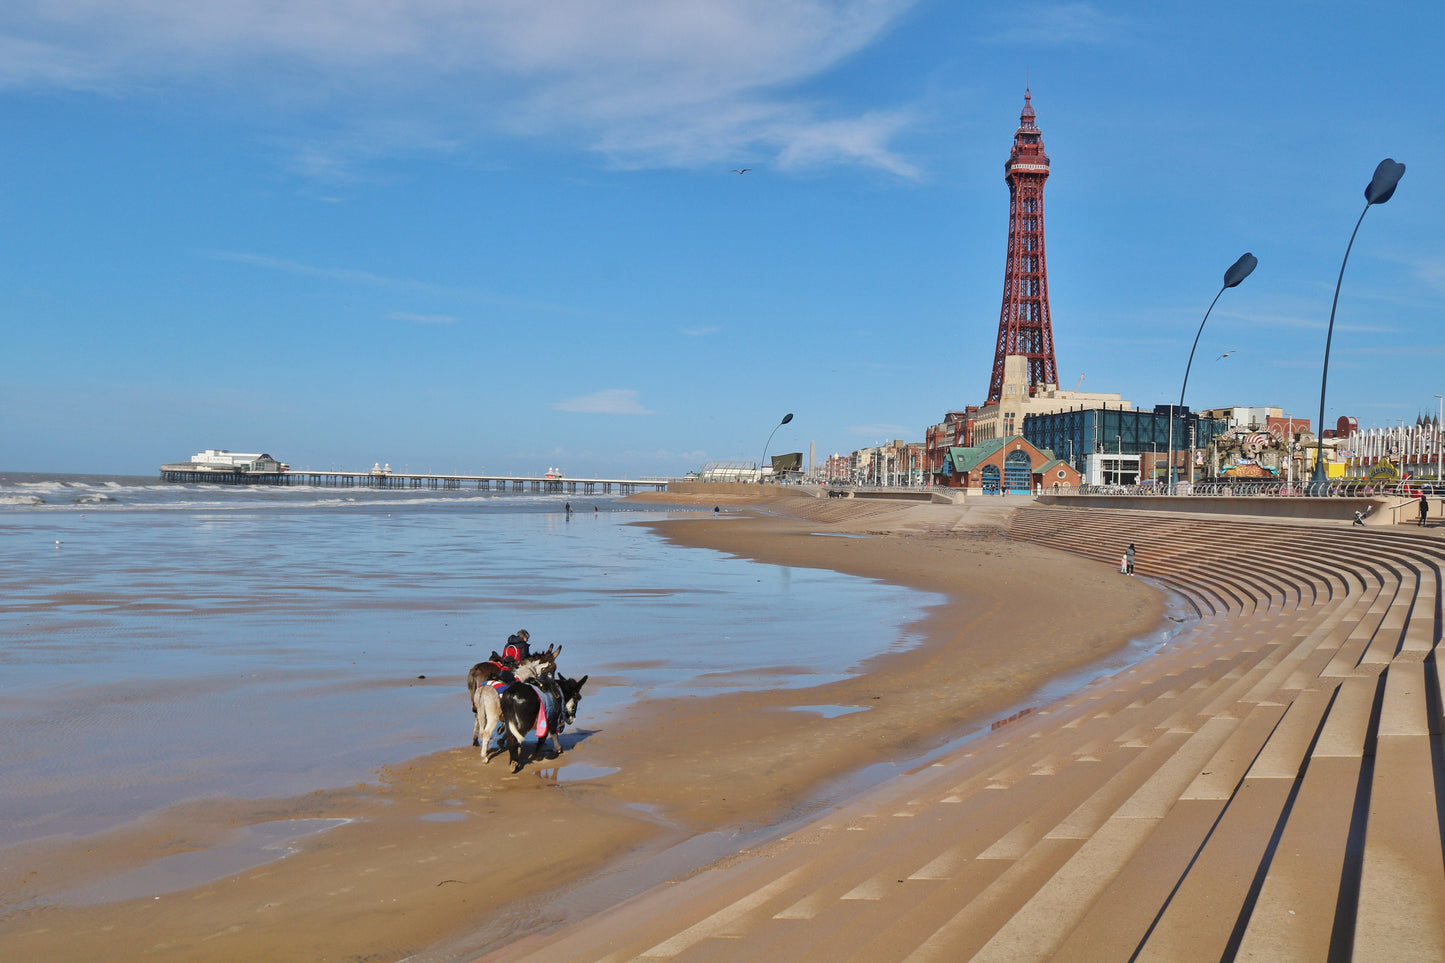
(1129, 558)
(1424, 509)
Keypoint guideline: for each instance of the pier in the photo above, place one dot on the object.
(540, 484)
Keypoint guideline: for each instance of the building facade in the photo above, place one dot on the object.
(1078, 433)
(1006, 466)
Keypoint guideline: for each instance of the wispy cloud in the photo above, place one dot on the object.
(680, 83)
(352, 276)
(345, 275)
(1058, 24)
(613, 401)
(1400, 350)
(883, 432)
(420, 318)
(700, 332)
(1295, 321)
(1429, 270)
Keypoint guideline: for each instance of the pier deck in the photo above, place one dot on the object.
(190, 474)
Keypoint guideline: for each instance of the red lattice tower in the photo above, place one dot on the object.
(1023, 325)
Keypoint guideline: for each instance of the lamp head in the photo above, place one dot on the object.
(1240, 270)
(786, 418)
(1382, 185)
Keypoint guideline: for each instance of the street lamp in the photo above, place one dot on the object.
(1237, 272)
(1380, 189)
(786, 418)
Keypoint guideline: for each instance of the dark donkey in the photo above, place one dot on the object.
(548, 707)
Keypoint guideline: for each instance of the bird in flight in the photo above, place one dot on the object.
(1223, 356)
(743, 171)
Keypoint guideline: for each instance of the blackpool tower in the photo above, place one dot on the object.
(1023, 325)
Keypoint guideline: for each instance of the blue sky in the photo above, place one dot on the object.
(505, 236)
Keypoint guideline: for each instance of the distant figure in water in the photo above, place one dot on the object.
(594, 511)
(569, 509)
(714, 511)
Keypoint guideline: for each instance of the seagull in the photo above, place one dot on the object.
(1223, 356)
(743, 171)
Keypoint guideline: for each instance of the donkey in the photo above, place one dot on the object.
(497, 668)
(486, 701)
(549, 707)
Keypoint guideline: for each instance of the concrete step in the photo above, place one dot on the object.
(1305, 908)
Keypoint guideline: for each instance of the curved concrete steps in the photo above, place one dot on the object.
(1268, 787)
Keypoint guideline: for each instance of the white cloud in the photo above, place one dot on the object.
(700, 332)
(613, 401)
(683, 82)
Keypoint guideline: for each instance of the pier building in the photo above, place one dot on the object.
(221, 466)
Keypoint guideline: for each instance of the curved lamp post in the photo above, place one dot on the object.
(1380, 189)
(1237, 272)
(786, 418)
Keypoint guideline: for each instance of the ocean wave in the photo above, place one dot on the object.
(125, 494)
(41, 487)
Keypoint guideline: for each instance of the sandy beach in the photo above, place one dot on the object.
(443, 858)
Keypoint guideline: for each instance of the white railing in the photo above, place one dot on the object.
(1349, 488)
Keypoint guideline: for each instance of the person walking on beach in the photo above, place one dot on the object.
(1129, 559)
(1424, 509)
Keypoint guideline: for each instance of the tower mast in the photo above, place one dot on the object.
(1024, 327)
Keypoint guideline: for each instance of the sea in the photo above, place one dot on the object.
(163, 642)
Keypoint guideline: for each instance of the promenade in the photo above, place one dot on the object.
(1267, 787)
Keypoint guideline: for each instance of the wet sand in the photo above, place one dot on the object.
(442, 856)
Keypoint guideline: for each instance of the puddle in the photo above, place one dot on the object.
(836, 535)
(452, 817)
(830, 712)
(247, 848)
(575, 773)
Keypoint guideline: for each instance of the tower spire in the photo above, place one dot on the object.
(1024, 327)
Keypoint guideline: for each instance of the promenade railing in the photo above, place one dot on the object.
(1349, 488)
